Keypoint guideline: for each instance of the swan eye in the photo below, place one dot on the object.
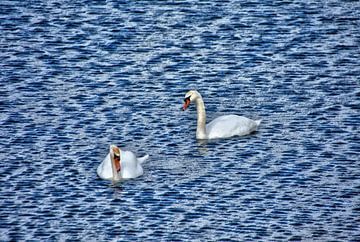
(187, 102)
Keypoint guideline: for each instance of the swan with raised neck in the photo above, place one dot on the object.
(221, 127)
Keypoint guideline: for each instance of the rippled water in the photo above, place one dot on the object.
(77, 76)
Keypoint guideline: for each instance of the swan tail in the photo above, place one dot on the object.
(258, 122)
(144, 158)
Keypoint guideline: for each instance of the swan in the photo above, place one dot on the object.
(221, 127)
(120, 164)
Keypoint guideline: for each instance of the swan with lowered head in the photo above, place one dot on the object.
(221, 127)
(120, 164)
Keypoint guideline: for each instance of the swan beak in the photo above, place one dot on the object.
(186, 103)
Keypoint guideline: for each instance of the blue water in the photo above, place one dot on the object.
(77, 76)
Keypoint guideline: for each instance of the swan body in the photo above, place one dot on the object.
(222, 127)
(120, 164)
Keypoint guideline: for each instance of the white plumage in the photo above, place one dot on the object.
(221, 127)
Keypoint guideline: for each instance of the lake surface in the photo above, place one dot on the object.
(77, 76)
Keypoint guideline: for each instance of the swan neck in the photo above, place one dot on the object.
(201, 119)
(113, 168)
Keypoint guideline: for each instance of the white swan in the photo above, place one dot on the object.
(221, 127)
(120, 164)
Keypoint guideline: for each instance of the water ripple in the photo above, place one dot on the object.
(78, 76)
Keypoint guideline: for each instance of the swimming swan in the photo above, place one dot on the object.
(221, 127)
(120, 164)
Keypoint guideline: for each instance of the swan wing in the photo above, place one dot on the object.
(130, 165)
(104, 170)
(230, 125)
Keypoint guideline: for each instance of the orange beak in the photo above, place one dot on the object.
(186, 103)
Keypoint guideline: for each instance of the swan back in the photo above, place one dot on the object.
(230, 125)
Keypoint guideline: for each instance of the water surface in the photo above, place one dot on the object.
(79, 76)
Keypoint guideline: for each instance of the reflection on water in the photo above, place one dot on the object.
(203, 147)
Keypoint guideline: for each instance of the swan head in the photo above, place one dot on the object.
(115, 161)
(190, 96)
